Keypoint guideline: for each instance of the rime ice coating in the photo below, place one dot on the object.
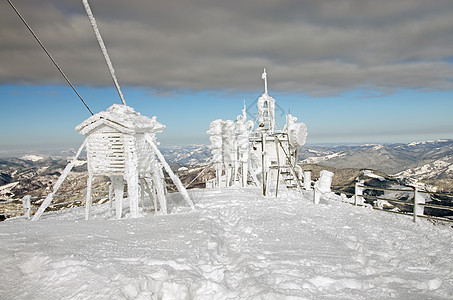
(121, 143)
(297, 132)
(102, 46)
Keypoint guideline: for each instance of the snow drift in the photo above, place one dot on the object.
(235, 245)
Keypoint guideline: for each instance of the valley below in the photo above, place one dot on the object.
(427, 165)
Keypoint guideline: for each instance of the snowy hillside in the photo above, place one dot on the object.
(421, 161)
(429, 161)
(442, 168)
(36, 174)
(389, 158)
(235, 245)
(191, 155)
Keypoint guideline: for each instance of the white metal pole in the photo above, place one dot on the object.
(264, 76)
(175, 178)
(263, 162)
(57, 185)
(415, 204)
(278, 166)
(307, 180)
(26, 205)
(110, 196)
(102, 46)
(88, 200)
(118, 189)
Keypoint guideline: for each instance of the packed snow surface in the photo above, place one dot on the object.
(235, 245)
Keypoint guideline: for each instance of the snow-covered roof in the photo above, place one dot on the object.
(121, 117)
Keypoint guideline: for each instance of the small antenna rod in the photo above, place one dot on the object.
(50, 56)
(264, 76)
(104, 50)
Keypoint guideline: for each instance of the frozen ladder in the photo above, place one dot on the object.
(289, 178)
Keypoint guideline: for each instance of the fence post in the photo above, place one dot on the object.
(307, 180)
(316, 195)
(358, 192)
(26, 205)
(415, 204)
(110, 196)
(419, 210)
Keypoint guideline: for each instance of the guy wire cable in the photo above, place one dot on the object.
(50, 56)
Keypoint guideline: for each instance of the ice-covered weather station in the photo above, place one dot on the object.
(121, 144)
(256, 152)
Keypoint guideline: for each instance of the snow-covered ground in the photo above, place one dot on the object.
(319, 159)
(6, 188)
(440, 166)
(33, 157)
(370, 173)
(235, 245)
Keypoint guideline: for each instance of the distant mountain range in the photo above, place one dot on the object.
(430, 162)
(390, 158)
(187, 156)
(36, 174)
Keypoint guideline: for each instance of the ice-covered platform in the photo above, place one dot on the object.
(235, 245)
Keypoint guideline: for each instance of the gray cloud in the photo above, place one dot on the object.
(318, 47)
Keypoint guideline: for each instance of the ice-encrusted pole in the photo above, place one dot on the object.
(243, 146)
(26, 204)
(57, 185)
(215, 136)
(104, 50)
(182, 190)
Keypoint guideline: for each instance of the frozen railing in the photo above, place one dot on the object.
(415, 200)
(27, 208)
(24, 203)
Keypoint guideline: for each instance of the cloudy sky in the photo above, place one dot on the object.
(355, 71)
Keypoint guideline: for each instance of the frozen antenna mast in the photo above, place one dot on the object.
(104, 50)
(264, 76)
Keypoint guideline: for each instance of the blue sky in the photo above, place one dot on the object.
(355, 71)
(44, 116)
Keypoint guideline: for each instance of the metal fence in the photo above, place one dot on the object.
(415, 200)
(28, 208)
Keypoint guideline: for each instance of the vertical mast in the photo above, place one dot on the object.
(104, 50)
(264, 76)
